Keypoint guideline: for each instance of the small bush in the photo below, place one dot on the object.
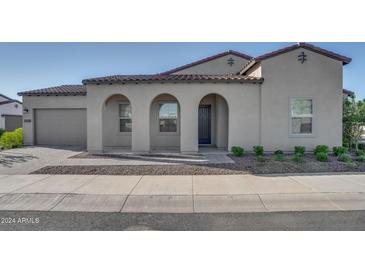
(321, 149)
(237, 151)
(359, 152)
(279, 157)
(339, 150)
(298, 158)
(259, 150)
(2, 131)
(360, 158)
(299, 150)
(346, 158)
(12, 139)
(279, 152)
(322, 156)
(260, 158)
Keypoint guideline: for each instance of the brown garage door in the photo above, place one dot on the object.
(60, 127)
(12, 122)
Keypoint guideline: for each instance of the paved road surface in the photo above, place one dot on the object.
(319, 220)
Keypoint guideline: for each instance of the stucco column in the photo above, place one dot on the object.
(189, 126)
(221, 122)
(94, 125)
(28, 127)
(141, 126)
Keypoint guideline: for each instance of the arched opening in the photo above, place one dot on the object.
(165, 123)
(213, 117)
(117, 123)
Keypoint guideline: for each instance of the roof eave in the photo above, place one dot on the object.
(99, 82)
(207, 59)
(345, 60)
(249, 65)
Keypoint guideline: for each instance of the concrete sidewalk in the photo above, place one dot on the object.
(182, 194)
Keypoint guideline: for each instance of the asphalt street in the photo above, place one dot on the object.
(61, 221)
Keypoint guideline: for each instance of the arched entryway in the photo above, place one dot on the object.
(165, 123)
(213, 117)
(117, 123)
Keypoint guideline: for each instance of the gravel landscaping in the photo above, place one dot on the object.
(243, 165)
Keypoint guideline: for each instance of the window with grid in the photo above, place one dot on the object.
(125, 117)
(168, 117)
(301, 110)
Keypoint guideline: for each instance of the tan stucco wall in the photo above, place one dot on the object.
(242, 100)
(217, 66)
(319, 78)
(221, 122)
(36, 102)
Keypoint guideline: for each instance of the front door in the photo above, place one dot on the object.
(204, 124)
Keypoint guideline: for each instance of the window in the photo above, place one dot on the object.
(125, 117)
(301, 116)
(168, 117)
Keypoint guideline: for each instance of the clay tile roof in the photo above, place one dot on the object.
(172, 78)
(207, 59)
(345, 60)
(64, 90)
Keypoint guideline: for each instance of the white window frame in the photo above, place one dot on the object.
(177, 132)
(302, 135)
(125, 118)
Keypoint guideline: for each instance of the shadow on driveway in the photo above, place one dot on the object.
(8, 159)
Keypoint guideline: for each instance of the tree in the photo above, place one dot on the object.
(353, 121)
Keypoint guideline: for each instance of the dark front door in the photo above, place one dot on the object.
(204, 125)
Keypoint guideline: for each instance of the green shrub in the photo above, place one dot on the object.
(339, 150)
(12, 139)
(359, 152)
(279, 152)
(259, 150)
(360, 158)
(344, 158)
(299, 150)
(2, 131)
(260, 158)
(321, 149)
(298, 158)
(322, 156)
(237, 151)
(279, 157)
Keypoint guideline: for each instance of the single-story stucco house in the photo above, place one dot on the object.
(289, 97)
(11, 111)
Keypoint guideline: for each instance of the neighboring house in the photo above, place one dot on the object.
(347, 93)
(282, 99)
(10, 113)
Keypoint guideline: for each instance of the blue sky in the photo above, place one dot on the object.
(26, 66)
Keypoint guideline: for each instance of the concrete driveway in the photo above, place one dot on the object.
(182, 194)
(27, 159)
